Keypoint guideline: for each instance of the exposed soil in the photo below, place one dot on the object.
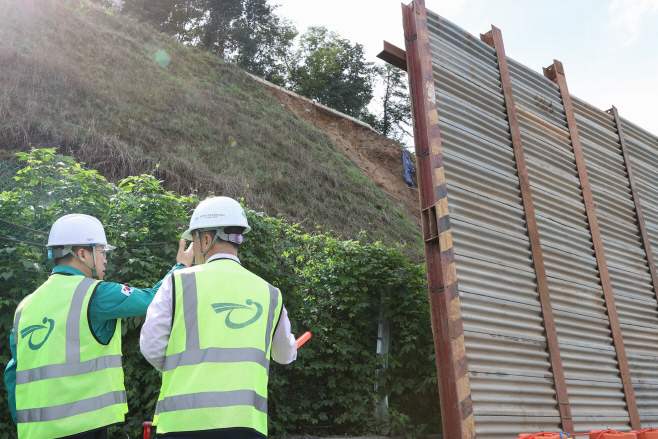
(377, 157)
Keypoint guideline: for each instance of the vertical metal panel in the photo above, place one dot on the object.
(627, 263)
(583, 330)
(496, 37)
(636, 202)
(509, 367)
(454, 386)
(536, 94)
(556, 72)
(642, 149)
(638, 308)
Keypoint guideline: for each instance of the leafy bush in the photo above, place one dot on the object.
(335, 289)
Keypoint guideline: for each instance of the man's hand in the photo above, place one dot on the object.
(185, 257)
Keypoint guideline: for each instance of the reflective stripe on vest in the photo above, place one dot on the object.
(216, 355)
(212, 399)
(67, 369)
(199, 409)
(77, 383)
(53, 413)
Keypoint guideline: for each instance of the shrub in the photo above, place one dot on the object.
(335, 289)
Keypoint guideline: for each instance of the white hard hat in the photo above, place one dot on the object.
(215, 213)
(78, 229)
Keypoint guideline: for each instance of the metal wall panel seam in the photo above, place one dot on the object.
(495, 39)
(556, 73)
(636, 200)
(456, 405)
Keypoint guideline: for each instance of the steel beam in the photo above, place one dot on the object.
(555, 72)
(394, 56)
(636, 199)
(495, 38)
(452, 370)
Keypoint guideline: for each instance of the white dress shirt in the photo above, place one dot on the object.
(156, 330)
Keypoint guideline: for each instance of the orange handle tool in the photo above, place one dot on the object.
(303, 339)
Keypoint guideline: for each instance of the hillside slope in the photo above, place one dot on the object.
(377, 156)
(126, 99)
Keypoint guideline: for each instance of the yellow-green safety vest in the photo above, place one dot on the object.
(217, 361)
(67, 381)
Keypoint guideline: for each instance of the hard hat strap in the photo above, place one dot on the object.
(94, 274)
(203, 254)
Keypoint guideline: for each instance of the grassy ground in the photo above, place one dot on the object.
(126, 99)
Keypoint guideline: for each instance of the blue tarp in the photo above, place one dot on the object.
(409, 168)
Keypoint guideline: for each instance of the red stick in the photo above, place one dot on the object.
(303, 339)
(147, 429)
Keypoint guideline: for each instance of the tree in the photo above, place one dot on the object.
(246, 32)
(394, 119)
(332, 71)
(178, 18)
(263, 42)
(216, 32)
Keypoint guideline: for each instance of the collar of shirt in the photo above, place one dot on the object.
(223, 256)
(65, 269)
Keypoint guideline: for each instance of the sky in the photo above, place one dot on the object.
(609, 48)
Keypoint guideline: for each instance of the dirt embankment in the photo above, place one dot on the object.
(378, 157)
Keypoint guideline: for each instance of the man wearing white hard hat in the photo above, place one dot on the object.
(212, 330)
(66, 378)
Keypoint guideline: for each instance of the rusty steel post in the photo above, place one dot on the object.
(452, 370)
(495, 38)
(636, 199)
(555, 72)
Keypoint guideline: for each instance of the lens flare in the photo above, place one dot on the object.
(162, 58)
(234, 144)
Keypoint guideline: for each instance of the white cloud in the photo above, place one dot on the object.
(629, 15)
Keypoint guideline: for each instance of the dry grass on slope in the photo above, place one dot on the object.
(87, 81)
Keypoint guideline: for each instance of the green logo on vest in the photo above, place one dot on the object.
(230, 307)
(30, 330)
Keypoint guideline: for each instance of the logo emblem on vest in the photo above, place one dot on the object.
(230, 307)
(30, 330)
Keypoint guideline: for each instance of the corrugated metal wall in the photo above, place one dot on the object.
(573, 279)
(636, 300)
(615, 211)
(509, 369)
(512, 386)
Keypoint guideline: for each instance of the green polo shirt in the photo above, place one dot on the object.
(111, 301)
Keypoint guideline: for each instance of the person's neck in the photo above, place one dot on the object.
(221, 248)
(78, 266)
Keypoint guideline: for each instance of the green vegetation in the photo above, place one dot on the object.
(332, 71)
(127, 100)
(321, 66)
(394, 120)
(246, 32)
(335, 289)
